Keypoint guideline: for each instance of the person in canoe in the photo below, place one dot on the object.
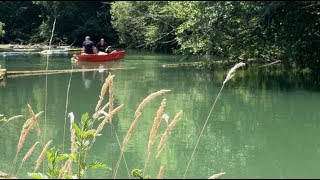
(102, 47)
(88, 46)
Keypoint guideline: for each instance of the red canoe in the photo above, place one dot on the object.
(100, 58)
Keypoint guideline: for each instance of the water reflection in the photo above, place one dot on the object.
(100, 73)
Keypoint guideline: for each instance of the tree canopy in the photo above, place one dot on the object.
(32, 21)
(266, 30)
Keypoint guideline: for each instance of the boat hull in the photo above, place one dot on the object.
(101, 58)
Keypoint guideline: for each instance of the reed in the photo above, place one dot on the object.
(27, 155)
(66, 110)
(73, 141)
(67, 167)
(44, 150)
(105, 106)
(12, 119)
(154, 130)
(97, 114)
(111, 97)
(74, 148)
(216, 176)
(149, 98)
(29, 152)
(35, 121)
(23, 135)
(15, 117)
(103, 91)
(124, 159)
(160, 174)
(165, 136)
(107, 119)
(230, 74)
(132, 127)
(232, 71)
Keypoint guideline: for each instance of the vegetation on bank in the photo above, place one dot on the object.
(263, 30)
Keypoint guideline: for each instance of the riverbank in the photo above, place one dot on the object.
(29, 47)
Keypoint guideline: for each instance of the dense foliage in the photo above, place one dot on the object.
(2, 32)
(258, 30)
(288, 31)
(32, 21)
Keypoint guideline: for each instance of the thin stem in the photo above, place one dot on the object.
(125, 162)
(80, 159)
(46, 96)
(19, 169)
(202, 132)
(4, 124)
(66, 110)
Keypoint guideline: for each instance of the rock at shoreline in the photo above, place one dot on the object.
(6, 176)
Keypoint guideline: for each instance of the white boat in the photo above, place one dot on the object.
(55, 51)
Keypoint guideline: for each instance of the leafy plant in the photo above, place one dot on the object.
(54, 160)
(84, 140)
(137, 173)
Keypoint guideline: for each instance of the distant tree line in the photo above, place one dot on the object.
(31, 21)
(260, 30)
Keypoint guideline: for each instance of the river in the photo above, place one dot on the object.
(264, 125)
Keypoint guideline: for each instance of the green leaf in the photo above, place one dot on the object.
(96, 165)
(77, 129)
(84, 134)
(37, 175)
(90, 134)
(65, 156)
(4, 120)
(67, 176)
(49, 155)
(137, 173)
(84, 118)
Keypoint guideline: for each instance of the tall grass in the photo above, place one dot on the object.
(133, 125)
(154, 130)
(26, 128)
(88, 131)
(230, 74)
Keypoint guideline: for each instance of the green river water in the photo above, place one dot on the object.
(266, 123)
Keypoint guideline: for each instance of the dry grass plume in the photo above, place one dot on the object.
(29, 152)
(165, 136)
(103, 91)
(111, 96)
(107, 119)
(216, 176)
(154, 130)
(132, 127)
(232, 71)
(11, 119)
(160, 174)
(35, 121)
(44, 150)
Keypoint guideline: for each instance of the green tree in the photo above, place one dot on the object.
(2, 32)
(21, 20)
(75, 20)
(232, 29)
